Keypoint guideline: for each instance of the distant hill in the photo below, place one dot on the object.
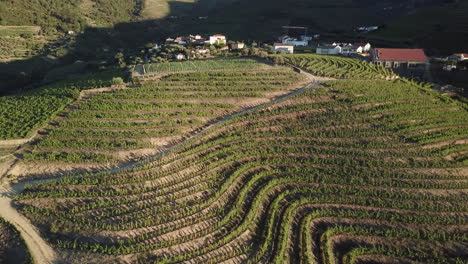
(435, 24)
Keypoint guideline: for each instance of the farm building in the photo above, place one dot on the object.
(288, 48)
(218, 39)
(346, 49)
(328, 49)
(179, 56)
(410, 62)
(294, 41)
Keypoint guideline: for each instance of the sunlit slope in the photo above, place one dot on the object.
(120, 125)
(351, 172)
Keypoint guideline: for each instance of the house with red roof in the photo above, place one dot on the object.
(404, 61)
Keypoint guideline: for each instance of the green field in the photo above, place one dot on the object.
(21, 114)
(202, 65)
(349, 171)
(149, 118)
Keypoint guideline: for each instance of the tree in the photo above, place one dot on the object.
(263, 54)
(117, 81)
(254, 51)
(278, 60)
(245, 52)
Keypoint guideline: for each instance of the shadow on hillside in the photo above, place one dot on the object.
(98, 46)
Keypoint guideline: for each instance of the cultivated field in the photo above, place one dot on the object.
(21, 114)
(12, 247)
(348, 172)
(338, 67)
(123, 125)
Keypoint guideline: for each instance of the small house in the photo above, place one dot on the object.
(329, 49)
(413, 62)
(237, 46)
(295, 42)
(362, 47)
(288, 48)
(217, 39)
(179, 56)
(180, 41)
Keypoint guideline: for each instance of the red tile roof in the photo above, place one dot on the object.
(416, 55)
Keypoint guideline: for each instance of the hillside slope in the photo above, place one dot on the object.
(350, 172)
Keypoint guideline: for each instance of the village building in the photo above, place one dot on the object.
(237, 46)
(459, 57)
(180, 41)
(329, 49)
(409, 62)
(179, 56)
(362, 47)
(288, 48)
(218, 39)
(294, 41)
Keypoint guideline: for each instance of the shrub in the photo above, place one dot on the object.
(117, 81)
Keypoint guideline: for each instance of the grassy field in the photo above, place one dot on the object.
(12, 246)
(139, 121)
(352, 171)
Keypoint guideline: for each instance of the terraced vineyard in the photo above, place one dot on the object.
(338, 67)
(350, 172)
(12, 247)
(21, 114)
(202, 65)
(127, 124)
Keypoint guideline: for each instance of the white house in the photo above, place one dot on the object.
(288, 48)
(329, 49)
(295, 42)
(179, 56)
(218, 39)
(363, 47)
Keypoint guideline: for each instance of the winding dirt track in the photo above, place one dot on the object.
(41, 251)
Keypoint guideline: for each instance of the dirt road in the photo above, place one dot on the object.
(40, 250)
